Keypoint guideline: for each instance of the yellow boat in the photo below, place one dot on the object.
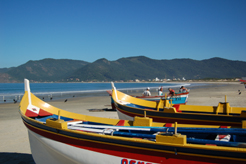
(128, 107)
(59, 136)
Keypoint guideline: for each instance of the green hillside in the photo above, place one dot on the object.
(46, 69)
(140, 67)
(144, 68)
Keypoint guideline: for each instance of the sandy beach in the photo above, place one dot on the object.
(14, 147)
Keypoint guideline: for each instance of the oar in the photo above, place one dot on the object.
(232, 131)
(150, 136)
(218, 143)
(104, 131)
(112, 127)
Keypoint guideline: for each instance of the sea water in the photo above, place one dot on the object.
(12, 92)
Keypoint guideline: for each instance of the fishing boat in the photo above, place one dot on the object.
(243, 81)
(178, 98)
(59, 136)
(128, 107)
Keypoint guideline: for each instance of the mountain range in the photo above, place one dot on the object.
(123, 69)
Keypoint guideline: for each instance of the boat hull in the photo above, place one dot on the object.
(182, 118)
(57, 136)
(163, 112)
(180, 98)
(50, 145)
(45, 150)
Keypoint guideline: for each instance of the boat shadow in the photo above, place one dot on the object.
(17, 158)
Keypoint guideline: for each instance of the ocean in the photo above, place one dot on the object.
(14, 91)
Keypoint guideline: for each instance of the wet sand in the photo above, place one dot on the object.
(14, 147)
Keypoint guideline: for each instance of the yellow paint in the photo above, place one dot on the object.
(163, 103)
(127, 98)
(59, 114)
(142, 121)
(24, 102)
(175, 139)
(244, 124)
(58, 124)
(169, 110)
(197, 108)
(160, 104)
(167, 104)
(223, 108)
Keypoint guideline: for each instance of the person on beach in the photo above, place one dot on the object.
(160, 91)
(171, 92)
(183, 89)
(147, 92)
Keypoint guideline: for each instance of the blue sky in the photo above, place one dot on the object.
(92, 29)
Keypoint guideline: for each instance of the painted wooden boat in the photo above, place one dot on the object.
(128, 107)
(179, 98)
(243, 81)
(58, 136)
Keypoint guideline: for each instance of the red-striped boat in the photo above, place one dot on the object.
(58, 136)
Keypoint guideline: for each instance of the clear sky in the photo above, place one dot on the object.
(92, 29)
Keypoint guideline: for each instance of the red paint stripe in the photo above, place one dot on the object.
(109, 92)
(168, 125)
(31, 114)
(223, 126)
(121, 123)
(177, 106)
(44, 113)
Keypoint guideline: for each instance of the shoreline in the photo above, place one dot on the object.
(166, 81)
(48, 96)
(14, 135)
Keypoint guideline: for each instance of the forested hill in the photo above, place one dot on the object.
(144, 68)
(43, 70)
(125, 69)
